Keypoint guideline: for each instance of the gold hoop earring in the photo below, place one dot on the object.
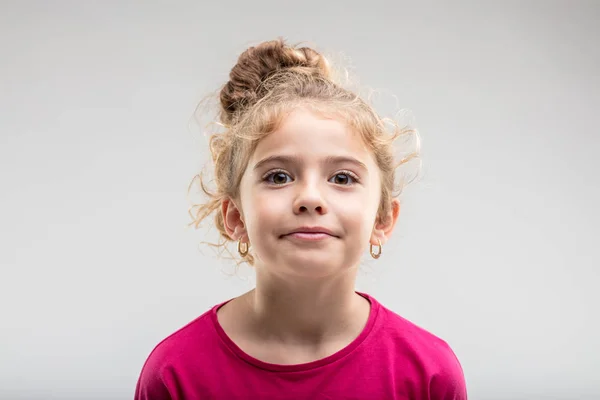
(373, 254)
(244, 252)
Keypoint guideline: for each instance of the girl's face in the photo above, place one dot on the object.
(309, 199)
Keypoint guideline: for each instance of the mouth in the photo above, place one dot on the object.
(311, 233)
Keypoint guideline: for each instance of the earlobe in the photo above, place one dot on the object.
(232, 219)
(377, 238)
(385, 226)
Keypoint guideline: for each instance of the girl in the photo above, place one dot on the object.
(304, 178)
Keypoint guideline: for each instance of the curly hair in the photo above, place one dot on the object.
(268, 82)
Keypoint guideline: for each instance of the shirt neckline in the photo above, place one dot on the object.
(373, 313)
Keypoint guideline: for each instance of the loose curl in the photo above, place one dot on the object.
(268, 82)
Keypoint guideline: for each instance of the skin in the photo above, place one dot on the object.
(311, 172)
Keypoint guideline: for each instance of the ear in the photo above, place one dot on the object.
(233, 220)
(385, 224)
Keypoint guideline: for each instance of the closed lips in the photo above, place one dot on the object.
(312, 230)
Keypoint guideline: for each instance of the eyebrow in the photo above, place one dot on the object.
(295, 159)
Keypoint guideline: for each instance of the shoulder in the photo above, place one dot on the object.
(191, 335)
(169, 356)
(428, 353)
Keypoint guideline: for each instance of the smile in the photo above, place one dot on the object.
(310, 234)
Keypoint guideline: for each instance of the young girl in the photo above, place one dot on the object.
(304, 177)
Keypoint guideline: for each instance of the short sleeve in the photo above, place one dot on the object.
(449, 383)
(150, 385)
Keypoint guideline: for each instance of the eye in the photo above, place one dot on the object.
(277, 178)
(343, 178)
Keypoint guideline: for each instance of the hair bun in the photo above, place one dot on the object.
(258, 63)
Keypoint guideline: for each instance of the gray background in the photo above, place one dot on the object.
(497, 245)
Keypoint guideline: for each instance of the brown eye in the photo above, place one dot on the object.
(278, 178)
(342, 179)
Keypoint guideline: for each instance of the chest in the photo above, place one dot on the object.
(338, 381)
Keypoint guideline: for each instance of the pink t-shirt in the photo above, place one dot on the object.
(391, 359)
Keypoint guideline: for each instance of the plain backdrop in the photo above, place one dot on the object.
(496, 249)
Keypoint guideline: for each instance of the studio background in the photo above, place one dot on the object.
(496, 249)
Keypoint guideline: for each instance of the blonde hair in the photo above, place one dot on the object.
(269, 81)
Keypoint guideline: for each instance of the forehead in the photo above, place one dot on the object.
(308, 134)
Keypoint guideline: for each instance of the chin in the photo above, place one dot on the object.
(312, 265)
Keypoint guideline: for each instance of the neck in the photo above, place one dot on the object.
(306, 310)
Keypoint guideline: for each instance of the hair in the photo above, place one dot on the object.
(268, 82)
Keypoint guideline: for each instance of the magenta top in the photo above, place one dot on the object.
(391, 358)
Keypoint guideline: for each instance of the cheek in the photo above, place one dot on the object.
(263, 209)
(358, 213)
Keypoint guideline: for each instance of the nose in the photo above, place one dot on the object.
(309, 199)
